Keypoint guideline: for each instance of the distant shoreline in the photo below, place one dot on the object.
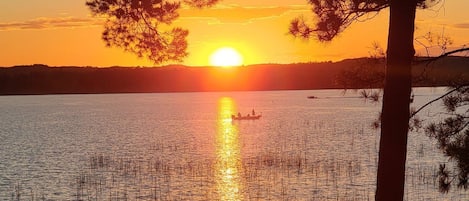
(45, 94)
(43, 80)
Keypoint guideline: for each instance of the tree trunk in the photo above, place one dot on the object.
(396, 100)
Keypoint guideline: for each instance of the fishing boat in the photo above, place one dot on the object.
(248, 117)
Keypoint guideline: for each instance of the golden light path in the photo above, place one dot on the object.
(228, 165)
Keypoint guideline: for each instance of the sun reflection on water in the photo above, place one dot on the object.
(228, 165)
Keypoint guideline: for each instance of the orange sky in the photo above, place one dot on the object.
(62, 33)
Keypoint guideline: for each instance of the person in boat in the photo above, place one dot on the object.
(253, 112)
(239, 114)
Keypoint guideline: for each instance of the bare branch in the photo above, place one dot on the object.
(443, 55)
(434, 100)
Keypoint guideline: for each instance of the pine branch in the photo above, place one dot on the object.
(434, 100)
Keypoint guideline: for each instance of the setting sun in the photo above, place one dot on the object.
(225, 57)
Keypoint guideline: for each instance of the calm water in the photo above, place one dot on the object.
(184, 146)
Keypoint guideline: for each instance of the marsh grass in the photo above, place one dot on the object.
(291, 171)
(270, 175)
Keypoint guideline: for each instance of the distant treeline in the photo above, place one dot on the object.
(41, 79)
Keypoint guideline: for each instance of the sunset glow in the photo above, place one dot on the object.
(226, 57)
(233, 100)
(64, 33)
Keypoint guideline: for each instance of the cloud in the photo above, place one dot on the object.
(238, 14)
(441, 23)
(215, 15)
(50, 23)
(462, 25)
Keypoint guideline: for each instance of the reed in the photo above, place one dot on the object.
(291, 171)
(270, 175)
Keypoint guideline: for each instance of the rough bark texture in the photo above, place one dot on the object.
(396, 100)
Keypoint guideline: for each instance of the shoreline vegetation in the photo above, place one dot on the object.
(41, 79)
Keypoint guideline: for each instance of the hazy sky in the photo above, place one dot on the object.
(63, 33)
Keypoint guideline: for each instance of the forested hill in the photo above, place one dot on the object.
(41, 79)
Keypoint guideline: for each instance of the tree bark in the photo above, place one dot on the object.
(396, 100)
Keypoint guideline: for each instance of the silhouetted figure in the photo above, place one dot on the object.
(253, 112)
(239, 114)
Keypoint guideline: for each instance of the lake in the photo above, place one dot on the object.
(184, 146)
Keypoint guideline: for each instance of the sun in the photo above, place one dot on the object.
(226, 57)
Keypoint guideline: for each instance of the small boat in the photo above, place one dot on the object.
(248, 117)
(312, 97)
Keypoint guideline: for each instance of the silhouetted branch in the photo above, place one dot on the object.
(334, 17)
(434, 100)
(134, 25)
(449, 92)
(443, 55)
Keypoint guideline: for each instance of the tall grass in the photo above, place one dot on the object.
(286, 172)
